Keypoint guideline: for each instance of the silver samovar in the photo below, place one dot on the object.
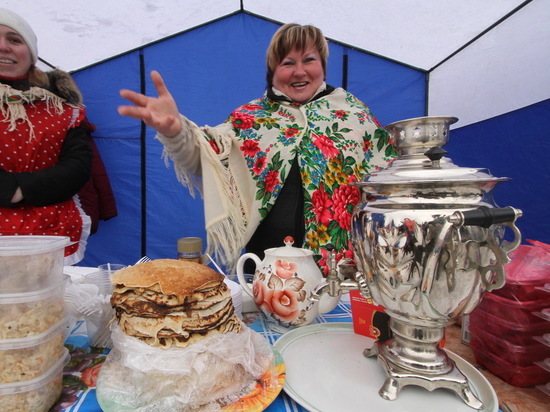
(428, 242)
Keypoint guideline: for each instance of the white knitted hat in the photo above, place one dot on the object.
(16, 22)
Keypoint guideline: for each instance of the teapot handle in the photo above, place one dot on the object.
(240, 272)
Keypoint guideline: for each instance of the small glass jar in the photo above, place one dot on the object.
(190, 249)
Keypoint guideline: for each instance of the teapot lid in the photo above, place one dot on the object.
(288, 250)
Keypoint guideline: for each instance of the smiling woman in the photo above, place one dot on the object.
(299, 75)
(296, 62)
(280, 165)
(15, 55)
(45, 157)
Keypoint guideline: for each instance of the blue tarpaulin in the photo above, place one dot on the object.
(216, 67)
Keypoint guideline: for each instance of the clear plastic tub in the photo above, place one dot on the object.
(36, 395)
(32, 313)
(31, 263)
(27, 358)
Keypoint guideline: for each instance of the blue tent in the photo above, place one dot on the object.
(210, 70)
(213, 68)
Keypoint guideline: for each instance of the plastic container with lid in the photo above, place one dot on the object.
(30, 263)
(517, 354)
(513, 310)
(526, 274)
(27, 358)
(38, 394)
(515, 375)
(544, 339)
(516, 333)
(27, 314)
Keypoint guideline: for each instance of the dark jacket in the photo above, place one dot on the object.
(60, 182)
(96, 197)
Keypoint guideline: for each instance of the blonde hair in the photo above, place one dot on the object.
(291, 37)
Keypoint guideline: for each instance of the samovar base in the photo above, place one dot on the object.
(399, 377)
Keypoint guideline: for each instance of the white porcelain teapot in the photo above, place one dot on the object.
(284, 286)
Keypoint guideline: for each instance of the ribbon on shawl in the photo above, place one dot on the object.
(14, 101)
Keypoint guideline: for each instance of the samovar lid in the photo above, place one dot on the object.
(422, 160)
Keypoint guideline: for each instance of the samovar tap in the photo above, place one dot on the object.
(342, 276)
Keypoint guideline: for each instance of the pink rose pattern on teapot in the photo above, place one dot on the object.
(284, 286)
(282, 294)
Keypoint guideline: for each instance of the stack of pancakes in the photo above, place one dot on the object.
(172, 303)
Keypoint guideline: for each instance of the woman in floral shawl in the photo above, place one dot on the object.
(45, 157)
(280, 165)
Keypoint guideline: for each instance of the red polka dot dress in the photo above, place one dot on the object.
(32, 135)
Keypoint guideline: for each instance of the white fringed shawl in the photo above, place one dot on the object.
(235, 188)
(13, 104)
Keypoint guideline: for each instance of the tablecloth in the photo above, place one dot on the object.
(80, 374)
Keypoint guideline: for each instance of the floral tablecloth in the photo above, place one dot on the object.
(80, 374)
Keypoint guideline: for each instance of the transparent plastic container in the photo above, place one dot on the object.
(36, 395)
(27, 358)
(27, 314)
(31, 263)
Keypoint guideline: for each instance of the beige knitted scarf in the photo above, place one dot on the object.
(14, 101)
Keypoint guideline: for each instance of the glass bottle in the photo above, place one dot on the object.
(190, 249)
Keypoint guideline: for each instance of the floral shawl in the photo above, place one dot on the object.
(245, 161)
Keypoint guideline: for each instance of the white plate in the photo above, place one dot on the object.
(326, 371)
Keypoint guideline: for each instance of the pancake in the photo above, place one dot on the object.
(172, 303)
(177, 344)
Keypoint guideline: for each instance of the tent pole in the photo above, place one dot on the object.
(427, 94)
(143, 164)
(345, 70)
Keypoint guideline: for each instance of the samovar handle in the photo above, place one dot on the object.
(486, 217)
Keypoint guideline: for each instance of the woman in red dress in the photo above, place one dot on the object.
(45, 157)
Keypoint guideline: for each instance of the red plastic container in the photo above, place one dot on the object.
(515, 375)
(511, 331)
(521, 355)
(513, 310)
(528, 271)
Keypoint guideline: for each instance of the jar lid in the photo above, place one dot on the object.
(190, 245)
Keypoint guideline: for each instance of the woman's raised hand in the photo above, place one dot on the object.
(161, 113)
